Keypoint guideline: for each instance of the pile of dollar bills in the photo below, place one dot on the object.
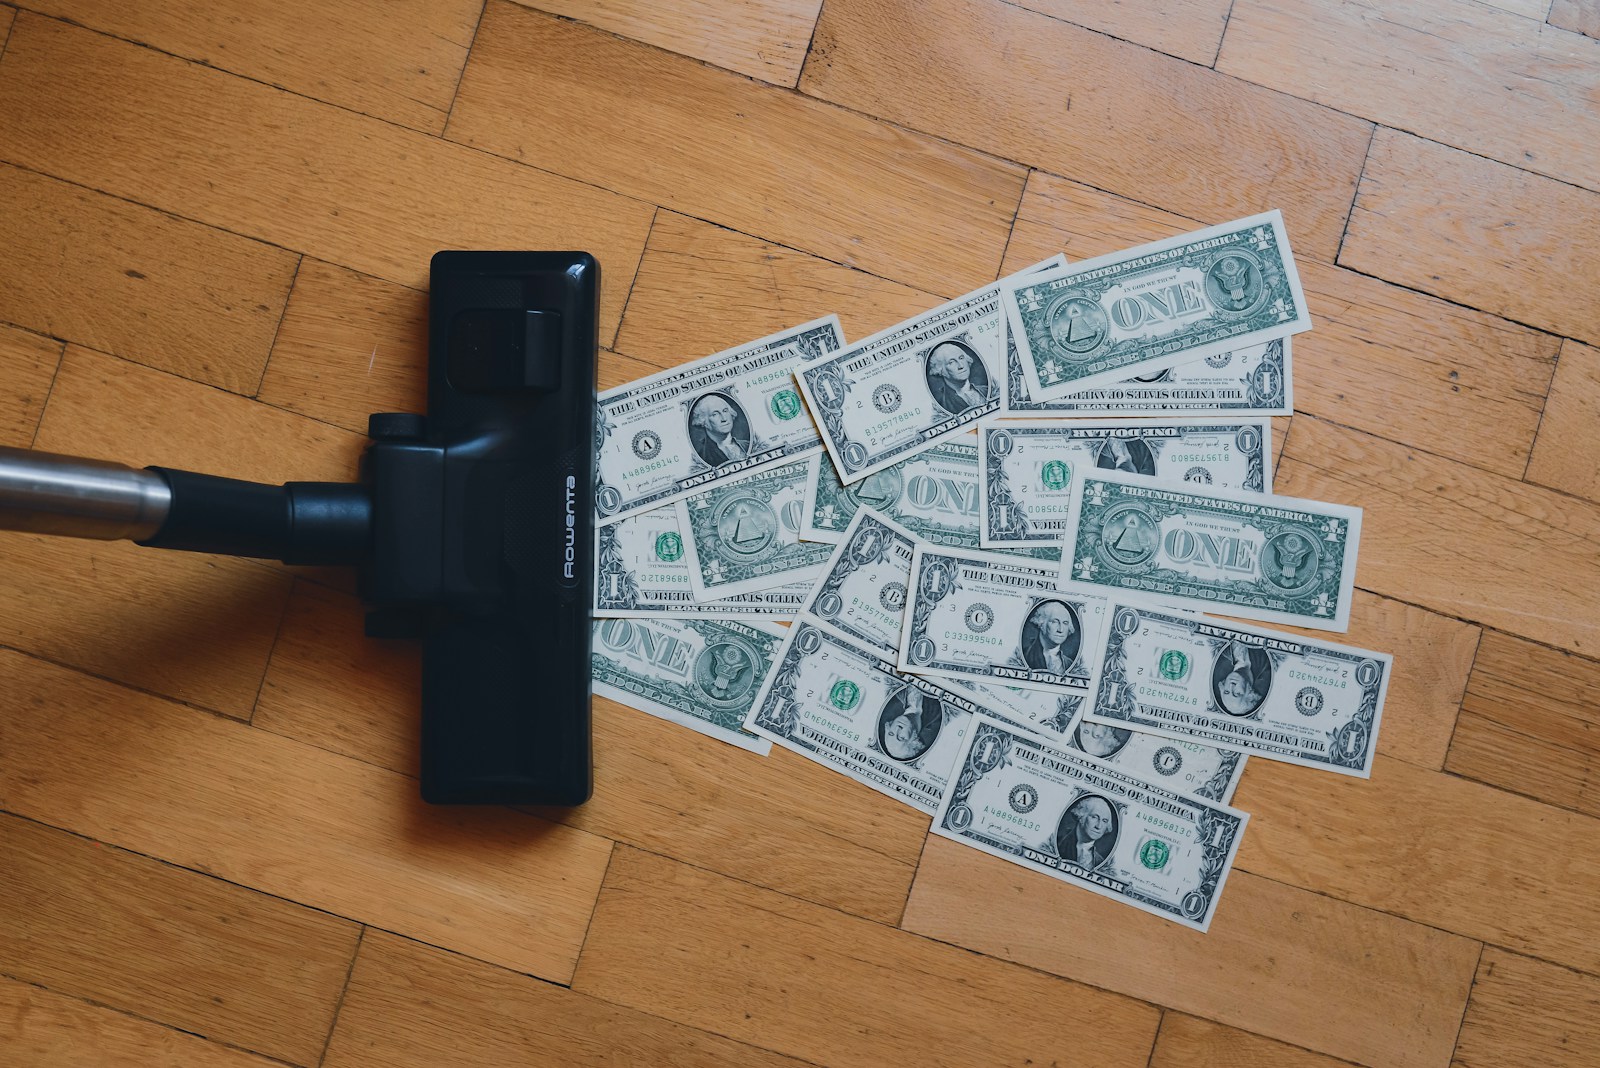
(992, 531)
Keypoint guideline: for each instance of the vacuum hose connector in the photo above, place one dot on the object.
(44, 493)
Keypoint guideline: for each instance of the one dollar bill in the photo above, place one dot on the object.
(700, 673)
(1271, 694)
(664, 437)
(1085, 822)
(1025, 469)
(933, 493)
(1159, 305)
(1185, 766)
(905, 388)
(1253, 381)
(642, 569)
(862, 592)
(743, 536)
(1260, 556)
(996, 620)
(849, 709)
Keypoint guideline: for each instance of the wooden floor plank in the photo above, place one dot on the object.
(350, 344)
(412, 1006)
(90, 268)
(765, 39)
(1528, 1012)
(1188, 29)
(41, 1029)
(1580, 16)
(1037, 90)
(1530, 722)
(1456, 539)
(1494, 83)
(110, 409)
(28, 364)
(769, 969)
(1566, 454)
(395, 61)
(1432, 848)
(191, 627)
(270, 165)
(780, 821)
(1378, 357)
(8, 15)
(291, 820)
(1478, 232)
(704, 288)
(1277, 961)
(170, 945)
(763, 160)
(1189, 1042)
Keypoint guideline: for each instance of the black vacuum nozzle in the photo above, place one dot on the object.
(473, 527)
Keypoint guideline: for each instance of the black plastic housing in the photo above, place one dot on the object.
(482, 528)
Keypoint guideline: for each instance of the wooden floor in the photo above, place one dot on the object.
(215, 224)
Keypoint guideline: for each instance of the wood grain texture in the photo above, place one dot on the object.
(765, 39)
(770, 968)
(195, 628)
(1037, 90)
(107, 408)
(762, 160)
(1580, 16)
(41, 1029)
(704, 288)
(1188, 29)
(412, 1005)
(292, 820)
(1188, 1042)
(1566, 454)
(397, 61)
(1380, 358)
(162, 291)
(283, 169)
(28, 364)
(1478, 232)
(1463, 541)
(779, 821)
(1471, 856)
(8, 15)
(1528, 1012)
(1277, 961)
(1530, 722)
(170, 945)
(349, 345)
(1495, 83)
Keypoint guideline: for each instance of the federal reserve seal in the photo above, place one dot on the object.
(647, 444)
(886, 398)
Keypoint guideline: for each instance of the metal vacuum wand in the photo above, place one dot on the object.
(45, 493)
(298, 522)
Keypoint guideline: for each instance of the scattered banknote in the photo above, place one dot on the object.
(902, 389)
(1159, 305)
(862, 593)
(1272, 694)
(743, 536)
(664, 437)
(700, 673)
(1085, 822)
(848, 708)
(642, 569)
(1187, 766)
(932, 493)
(998, 620)
(1254, 381)
(1025, 488)
(1279, 559)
